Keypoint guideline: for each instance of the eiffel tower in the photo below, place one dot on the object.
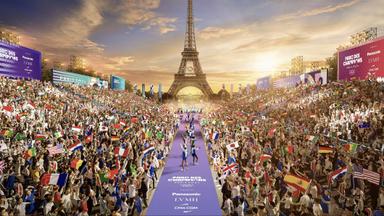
(190, 72)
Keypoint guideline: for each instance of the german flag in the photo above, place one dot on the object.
(115, 138)
(297, 182)
(325, 149)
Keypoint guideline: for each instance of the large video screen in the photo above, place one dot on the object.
(117, 83)
(74, 78)
(19, 62)
(263, 83)
(359, 62)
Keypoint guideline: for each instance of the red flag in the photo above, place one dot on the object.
(89, 139)
(134, 120)
(271, 132)
(8, 108)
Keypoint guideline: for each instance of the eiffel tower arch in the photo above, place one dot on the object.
(190, 72)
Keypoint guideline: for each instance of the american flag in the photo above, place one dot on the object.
(360, 173)
(58, 149)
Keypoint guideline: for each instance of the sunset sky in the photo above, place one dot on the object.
(141, 40)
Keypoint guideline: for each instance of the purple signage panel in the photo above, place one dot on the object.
(287, 82)
(19, 62)
(263, 83)
(359, 62)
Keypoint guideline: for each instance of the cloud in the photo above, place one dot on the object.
(118, 63)
(141, 12)
(266, 43)
(317, 11)
(218, 32)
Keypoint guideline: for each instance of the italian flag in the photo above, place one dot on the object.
(288, 149)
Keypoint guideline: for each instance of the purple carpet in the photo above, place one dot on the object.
(188, 192)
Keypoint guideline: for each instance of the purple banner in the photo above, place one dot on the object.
(19, 62)
(287, 82)
(263, 83)
(359, 62)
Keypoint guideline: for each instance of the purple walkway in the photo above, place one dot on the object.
(189, 192)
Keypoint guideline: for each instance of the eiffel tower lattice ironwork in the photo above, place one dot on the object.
(190, 72)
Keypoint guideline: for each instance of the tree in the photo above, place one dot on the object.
(332, 65)
(46, 71)
(128, 86)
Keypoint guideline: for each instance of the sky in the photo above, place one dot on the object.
(141, 40)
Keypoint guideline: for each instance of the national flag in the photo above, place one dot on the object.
(48, 107)
(360, 173)
(58, 134)
(265, 157)
(119, 151)
(89, 139)
(298, 182)
(40, 137)
(8, 108)
(31, 105)
(8, 133)
(232, 146)
(325, 150)
(57, 149)
(76, 163)
(336, 174)
(148, 134)
(116, 126)
(113, 173)
(103, 128)
(229, 169)
(75, 146)
(123, 123)
(54, 179)
(20, 136)
(21, 115)
(312, 138)
(31, 152)
(288, 149)
(104, 177)
(271, 132)
(134, 120)
(351, 147)
(215, 135)
(159, 135)
(76, 129)
(148, 150)
(115, 138)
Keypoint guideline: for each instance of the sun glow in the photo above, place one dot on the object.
(266, 63)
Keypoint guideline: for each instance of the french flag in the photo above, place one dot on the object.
(76, 129)
(148, 150)
(336, 174)
(76, 146)
(54, 179)
(121, 152)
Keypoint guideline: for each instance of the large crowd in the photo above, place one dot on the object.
(309, 150)
(71, 150)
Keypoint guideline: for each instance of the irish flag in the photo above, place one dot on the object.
(76, 146)
(336, 174)
(351, 147)
(297, 182)
(31, 152)
(76, 129)
(76, 163)
(54, 179)
(121, 152)
(325, 149)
